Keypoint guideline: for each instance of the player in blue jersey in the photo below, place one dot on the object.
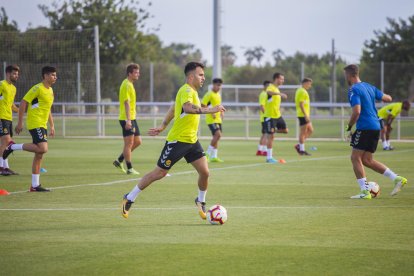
(364, 140)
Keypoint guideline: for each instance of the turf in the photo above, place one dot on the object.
(294, 218)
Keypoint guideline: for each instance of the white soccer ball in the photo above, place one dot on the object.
(374, 189)
(217, 214)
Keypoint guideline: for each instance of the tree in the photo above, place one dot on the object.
(395, 47)
(5, 25)
(258, 53)
(228, 56)
(249, 54)
(278, 55)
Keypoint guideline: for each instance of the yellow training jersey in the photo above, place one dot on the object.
(302, 95)
(391, 109)
(211, 99)
(7, 94)
(272, 108)
(127, 93)
(262, 101)
(185, 125)
(40, 101)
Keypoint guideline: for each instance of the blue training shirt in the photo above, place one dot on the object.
(365, 94)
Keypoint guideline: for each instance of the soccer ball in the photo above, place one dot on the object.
(217, 214)
(374, 189)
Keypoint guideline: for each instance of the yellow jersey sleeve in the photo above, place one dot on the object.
(212, 98)
(392, 109)
(40, 100)
(272, 108)
(302, 95)
(7, 95)
(127, 93)
(185, 125)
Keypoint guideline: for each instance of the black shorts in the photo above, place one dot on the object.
(174, 151)
(273, 124)
(366, 140)
(39, 135)
(263, 127)
(214, 127)
(134, 130)
(6, 128)
(302, 121)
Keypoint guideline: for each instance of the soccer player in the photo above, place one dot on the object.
(302, 102)
(127, 119)
(182, 140)
(272, 117)
(261, 148)
(214, 120)
(7, 95)
(387, 114)
(38, 102)
(364, 140)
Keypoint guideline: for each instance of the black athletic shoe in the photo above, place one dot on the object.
(304, 152)
(8, 150)
(38, 189)
(9, 171)
(126, 206)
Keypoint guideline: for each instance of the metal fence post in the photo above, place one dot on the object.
(63, 121)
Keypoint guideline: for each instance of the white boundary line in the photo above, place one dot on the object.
(214, 169)
(192, 208)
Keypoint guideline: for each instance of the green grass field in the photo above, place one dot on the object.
(292, 219)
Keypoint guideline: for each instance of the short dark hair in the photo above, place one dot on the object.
(406, 105)
(48, 70)
(306, 80)
(217, 80)
(352, 69)
(277, 75)
(266, 83)
(131, 67)
(12, 67)
(191, 66)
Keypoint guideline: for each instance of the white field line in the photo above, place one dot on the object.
(215, 169)
(192, 208)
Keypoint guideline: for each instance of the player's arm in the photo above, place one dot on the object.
(128, 124)
(21, 111)
(302, 107)
(195, 109)
(389, 120)
(52, 125)
(356, 111)
(386, 98)
(15, 108)
(271, 93)
(167, 119)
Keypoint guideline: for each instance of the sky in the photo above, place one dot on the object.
(306, 26)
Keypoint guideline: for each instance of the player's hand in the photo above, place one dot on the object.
(18, 128)
(348, 133)
(52, 132)
(307, 119)
(219, 108)
(128, 124)
(155, 131)
(283, 96)
(213, 115)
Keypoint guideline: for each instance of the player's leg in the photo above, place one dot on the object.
(199, 162)
(6, 134)
(383, 139)
(214, 143)
(261, 148)
(359, 171)
(40, 149)
(270, 130)
(387, 137)
(281, 126)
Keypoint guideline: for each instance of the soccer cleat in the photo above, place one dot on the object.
(4, 172)
(259, 153)
(390, 148)
(271, 160)
(264, 153)
(38, 189)
(365, 194)
(216, 160)
(8, 150)
(119, 166)
(9, 171)
(132, 171)
(297, 148)
(304, 152)
(399, 182)
(126, 206)
(201, 208)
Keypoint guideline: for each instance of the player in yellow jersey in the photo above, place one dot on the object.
(7, 95)
(273, 117)
(387, 115)
(302, 102)
(261, 148)
(127, 119)
(38, 102)
(182, 140)
(214, 120)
